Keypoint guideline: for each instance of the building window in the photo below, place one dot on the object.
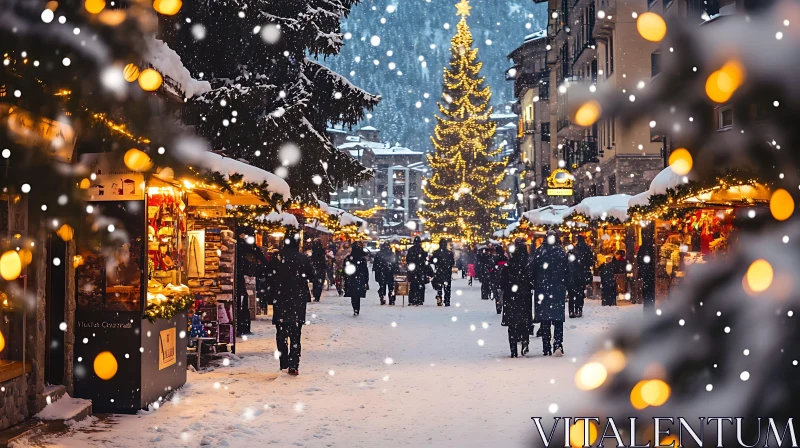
(610, 56)
(612, 184)
(651, 3)
(724, 118)
(655, 63)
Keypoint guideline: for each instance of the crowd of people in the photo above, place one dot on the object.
(540, 286)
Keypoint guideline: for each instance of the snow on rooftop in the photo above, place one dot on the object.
(604, 207)
(285, 219)
(551, 215)
(335, 131)
(378, 148)
(167, 62)
(502, 116)
(537, 35)
(667, 179)
(368, 128)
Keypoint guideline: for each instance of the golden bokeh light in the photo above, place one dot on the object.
(670, 440)
(26, 256)
(591, 376)
(85, 183)
(137, 160)
(588, 113)
(2, 342)
(655, 392)
(112, 17)
(759, 276)
(105, 365)
(66, 232)
(636, 396)
(130, 72)
(577, 433)
(613, 360)
(95, 6)
(651, 26)
(150, 80)
(680, 161)
(167, 7)
(781, 204)
(721, 84)
(10, 265)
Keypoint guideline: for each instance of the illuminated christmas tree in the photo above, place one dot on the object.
(462, 196)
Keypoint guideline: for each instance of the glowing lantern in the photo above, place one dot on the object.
(721, 84)
(66, 232)
(781, 204)
(130, 72)
(105, 365)
(759, 276)
(651, 26)
(94, 6)
(2, 342)
(10, 265)
(150, 80)
(680, 161)
(655, 392)
(588, 113)
(137, 160)
(591, 376)
(85, 183)
(577, 433)
(167, 7)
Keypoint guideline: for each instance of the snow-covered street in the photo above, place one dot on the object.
(393, 376)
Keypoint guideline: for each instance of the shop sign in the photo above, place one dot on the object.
(29, 129)
(113, 180)
(167, 355)
(559, 183)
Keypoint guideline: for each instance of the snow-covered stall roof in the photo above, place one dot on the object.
(667, 179)
(504, 233)
(550, 215)
(345, 218)
(284, 219)
(167, 62)
(604, 207)
(230, 167)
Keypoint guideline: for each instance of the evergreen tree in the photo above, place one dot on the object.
(270, 102)
(463, 199)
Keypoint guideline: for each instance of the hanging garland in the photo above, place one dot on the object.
(234, 184)
(168, 307)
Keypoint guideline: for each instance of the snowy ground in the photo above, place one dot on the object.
(430, 380)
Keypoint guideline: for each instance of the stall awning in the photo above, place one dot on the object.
(614, 207)
(735, 195)
(551, 215)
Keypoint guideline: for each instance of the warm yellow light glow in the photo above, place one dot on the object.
(759, 276)
(722, 84)
(25, 256)
(150, 80)
(613, 360)
(105, 365)
(94, 6)
(112, 17)
(591, 376)
(167, 7)
(137, 160)
(66, 232)
(85, 183)
(781, 204)
(651, 26)
(2, 342)
(680, 161)
(577, 433)
(10, 265)
(588, 113)
(130, 72)
(655, 392)
(636, 396)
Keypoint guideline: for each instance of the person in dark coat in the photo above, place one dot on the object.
(608, 283)
(646, 264)
(549, 268)
(417, 264)
(483, 267)
(580, 275)
(442, 262)
(516, 282)
(499, 262)
(319, 263)
(289, 305)
(356, 277)
(384, 267)
(619, 263)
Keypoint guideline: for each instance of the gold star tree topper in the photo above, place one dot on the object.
(463, 8)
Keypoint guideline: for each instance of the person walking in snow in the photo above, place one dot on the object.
(579, 269)
(516, 282)
(549, 269)
(319, 263)
(289, 307)
(384, 267)
(496, 275)
(338, 266)
(442, 260)
(483, 267)
(416, 261)
(356, 277)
